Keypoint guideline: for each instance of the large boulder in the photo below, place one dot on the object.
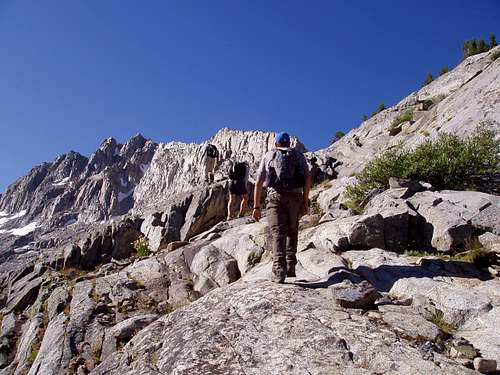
(442, 223)
(482, 332)
(364, 231)
(335, 193)
(244, 242)
(216, 266)
(124, 331)
(397, 216)
(354, 296)
(409, 323)
(207, 207)
(457, 302)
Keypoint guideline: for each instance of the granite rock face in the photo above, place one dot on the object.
(461, 99)
(268, 329)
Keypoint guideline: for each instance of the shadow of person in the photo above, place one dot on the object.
(384, 276)
(335, 276)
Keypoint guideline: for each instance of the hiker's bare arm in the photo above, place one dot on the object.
(256, 214)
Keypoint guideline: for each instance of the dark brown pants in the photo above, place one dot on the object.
(283, 213)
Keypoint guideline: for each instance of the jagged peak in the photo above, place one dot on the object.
(108, 142)
(137, 136)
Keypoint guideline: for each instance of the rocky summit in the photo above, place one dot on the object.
(409, 284)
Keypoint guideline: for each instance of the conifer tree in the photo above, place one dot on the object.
(493, 41)
(428, 80)
(444, 70)
(482, 46)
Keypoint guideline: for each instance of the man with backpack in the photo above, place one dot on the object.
(285, 173)
(210, 157)
(238, 177)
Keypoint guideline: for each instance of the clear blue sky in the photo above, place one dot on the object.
(75, 72)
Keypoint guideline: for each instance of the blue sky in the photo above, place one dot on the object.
(75, 72)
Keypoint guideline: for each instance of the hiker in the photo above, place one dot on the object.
(238, 188)
(285, 173)
(315, 171)
(210, 157)
(330, 164)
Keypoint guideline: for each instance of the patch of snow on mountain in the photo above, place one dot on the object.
(22, 231)
(145, 167)
(61, 182)
(4, 218)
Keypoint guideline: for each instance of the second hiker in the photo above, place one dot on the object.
(285, 172)
(210, 158)
(238, 188)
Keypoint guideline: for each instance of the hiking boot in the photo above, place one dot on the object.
(291, 272)
(279, 279)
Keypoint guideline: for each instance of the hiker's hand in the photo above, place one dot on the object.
(256, 214)
(305, 208)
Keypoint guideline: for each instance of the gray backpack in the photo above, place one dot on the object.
(284, 170)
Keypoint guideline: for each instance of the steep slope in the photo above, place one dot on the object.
(455, 103)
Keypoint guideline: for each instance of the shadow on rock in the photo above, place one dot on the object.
(384, 276)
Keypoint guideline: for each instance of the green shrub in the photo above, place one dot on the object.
(446, 163)
(141, 246)
(438, 319)
(339, 134)
(33, 353)
(407, 116)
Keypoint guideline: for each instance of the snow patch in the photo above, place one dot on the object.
(122, 196)
(23, 230)
(61, 182)
(144, 167)
(4, 218)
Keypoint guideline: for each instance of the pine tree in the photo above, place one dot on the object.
(470, 48)
(339, 134)
(444, 70)
(493, 41)
(482, 46)
(467, 48)
(381, 107)
(365, 117)
(428, 80)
